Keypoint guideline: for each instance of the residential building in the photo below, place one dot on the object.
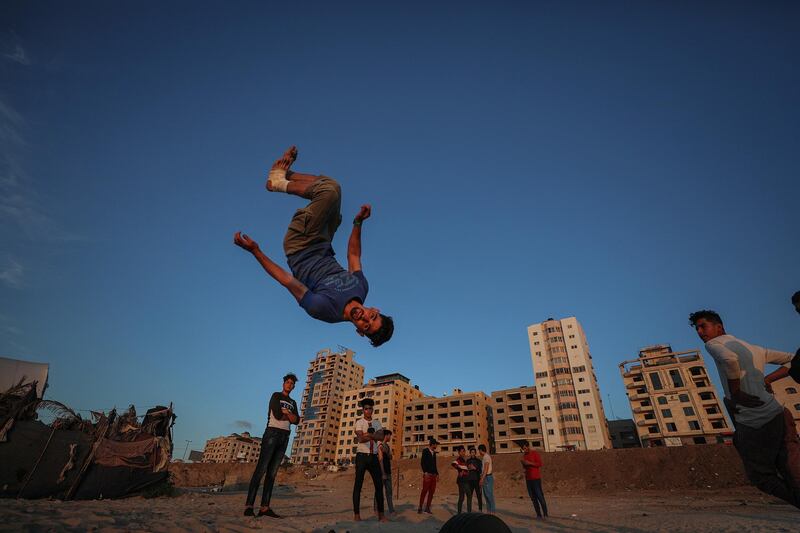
(623, 434)
(329, 375)
(570, 405)
(673, 400)
(234, 448)
(516, 418)
(787, 392)
(391, 394)
(460, 418)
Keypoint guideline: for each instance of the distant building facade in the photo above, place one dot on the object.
(515, 414)
(673, 400)
(461, 418)
(329, 375)
(623, 434)
(570, 405)
(234, 448)
(391, 392)
(787, 392)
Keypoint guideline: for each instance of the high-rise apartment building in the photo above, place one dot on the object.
(672, 398)
(570, 406)
(329, 375)
(516, 418)
(461, 418)
(234, 448)
(391, 394)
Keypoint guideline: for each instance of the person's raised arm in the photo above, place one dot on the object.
(354, 243)
(294, 286)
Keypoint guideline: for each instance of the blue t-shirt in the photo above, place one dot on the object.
(330, 286)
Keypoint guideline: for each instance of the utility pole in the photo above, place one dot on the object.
(186, 449)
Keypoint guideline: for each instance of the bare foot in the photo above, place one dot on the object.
(357, 517)
(284, 162)
(382, 518)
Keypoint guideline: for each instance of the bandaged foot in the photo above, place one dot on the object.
(277, 178)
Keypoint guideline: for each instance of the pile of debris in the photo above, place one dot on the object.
(108, 456)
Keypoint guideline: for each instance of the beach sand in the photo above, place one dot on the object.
(317, 507)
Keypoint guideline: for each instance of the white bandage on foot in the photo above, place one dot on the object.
(277, 179)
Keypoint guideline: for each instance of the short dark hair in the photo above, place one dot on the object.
(367, 401)
(470, 448)
(482, 447)
(707, 314)
(387, 432)
(523, 443)
(384, 333)
(795, 297)
(289, 376)
(459, 448)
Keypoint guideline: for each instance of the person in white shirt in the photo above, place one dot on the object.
(757, 415)
(487, 479)
(368, 436)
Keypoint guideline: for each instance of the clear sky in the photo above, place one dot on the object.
(622, 162)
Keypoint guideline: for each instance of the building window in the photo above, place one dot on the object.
(671, 427)
(694, 424)
(677, 380)
(688, 411)
(666, 413)
(662, 400)
(683, 397)
(655, 379)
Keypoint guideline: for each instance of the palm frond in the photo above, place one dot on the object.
(58, 409)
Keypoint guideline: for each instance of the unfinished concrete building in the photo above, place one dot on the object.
(572, 415)
(391, 393)
(516, 419)
(329, 375)
(672, 398)
(234, 448)
(460, 418)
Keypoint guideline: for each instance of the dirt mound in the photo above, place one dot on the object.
(671, 469)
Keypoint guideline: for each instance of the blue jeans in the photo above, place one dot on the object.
(488, 492)
(273, 446)
(537, 496)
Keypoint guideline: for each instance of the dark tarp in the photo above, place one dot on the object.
(18, 456)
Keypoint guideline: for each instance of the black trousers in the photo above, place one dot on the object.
(764, 455)
(273, 446)
(537, 496)
(476, 488)
(367, 462)
(465, 491)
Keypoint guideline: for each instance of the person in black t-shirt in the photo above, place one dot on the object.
(282, 413)
(475, 466)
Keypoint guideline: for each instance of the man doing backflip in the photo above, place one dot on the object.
(320, 285)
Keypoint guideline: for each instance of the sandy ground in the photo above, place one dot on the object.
(316, 507)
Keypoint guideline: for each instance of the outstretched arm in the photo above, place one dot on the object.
(354, 244)
(297, 289)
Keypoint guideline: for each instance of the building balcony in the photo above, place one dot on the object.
(642, 408)
(639, 396)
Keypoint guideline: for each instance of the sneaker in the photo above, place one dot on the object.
(248, 511)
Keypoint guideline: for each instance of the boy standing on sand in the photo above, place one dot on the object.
(282, 413)
(369, 436)
(532, 462)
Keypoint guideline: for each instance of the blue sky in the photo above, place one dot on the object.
(625, 163)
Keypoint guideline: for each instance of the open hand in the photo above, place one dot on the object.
(364, 213)
(243, 241)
